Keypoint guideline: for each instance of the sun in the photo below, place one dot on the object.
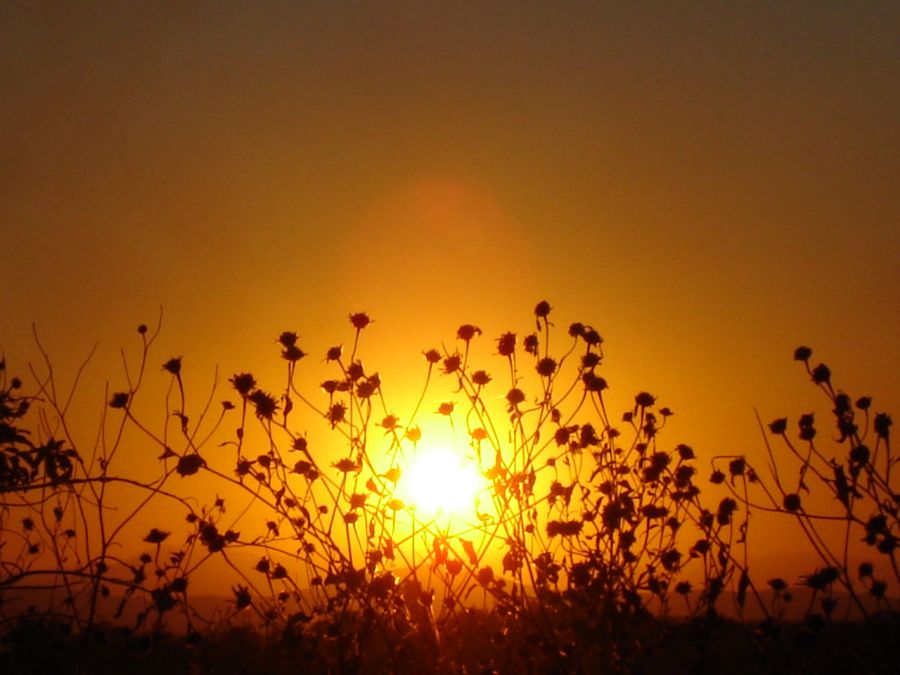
(441, 482)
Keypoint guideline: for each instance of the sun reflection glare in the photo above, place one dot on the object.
(441, 482)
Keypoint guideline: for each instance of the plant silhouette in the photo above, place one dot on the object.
(591, 548)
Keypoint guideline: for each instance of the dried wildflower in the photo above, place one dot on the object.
(454, 566)
(791, 502)
(346, 465)
(382, 585)
(594, 382)
(336, 414)
(887, 545)
(562, 435)
(807, 427)
(173, 365)
(162, 599)
(683, 475)
(685, 451)
(485, 576)
(588, 436)
(866, 570)
(841, 404)
(188, 465)
(651, 511)
(859, 456)
(777, 584)
(359, 320)
(882, 425)
(432, 356)
(564, 528)
(658, 463)
(671, 559)
(506, 344)
(445, 408)
(242, 598)
(727, 507)
(779, 426)
(142, 329)
(467, 331)
(542, 309)
(369, 387)
(390, 423)
(700, 547)
(481, 378)
(822, 578)
(355, 371)
(243, 383)
(592, 337)
(802, 354)
(414, 434)
(515, 396)
(287, 339)
(334, 353)
(576, 329)
(155, 536)
(590, 361)
(821, 374)
(265, 404)
(878, 589)
(452, 364)
(876, 525)
(546, 367)
(736, 467)
(119, 400)
(292, 353)
(531, 344)
(644, 400)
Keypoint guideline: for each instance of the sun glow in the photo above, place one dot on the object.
(440, 482)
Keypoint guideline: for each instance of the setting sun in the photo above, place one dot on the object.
(439, 481)
(449, 337)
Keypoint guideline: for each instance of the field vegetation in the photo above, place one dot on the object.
(586, 542)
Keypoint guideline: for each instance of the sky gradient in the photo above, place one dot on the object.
(709, 184)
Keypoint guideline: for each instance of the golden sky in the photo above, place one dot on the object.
(709, 184)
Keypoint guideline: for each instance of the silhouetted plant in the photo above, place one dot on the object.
(589, 534)
(863, 500)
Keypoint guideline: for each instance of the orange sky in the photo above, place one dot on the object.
(709, 184)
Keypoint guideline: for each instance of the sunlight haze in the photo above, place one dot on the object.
(710, 185)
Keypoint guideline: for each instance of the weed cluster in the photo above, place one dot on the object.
(589, 532)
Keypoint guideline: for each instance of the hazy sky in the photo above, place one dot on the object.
(709, 184)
